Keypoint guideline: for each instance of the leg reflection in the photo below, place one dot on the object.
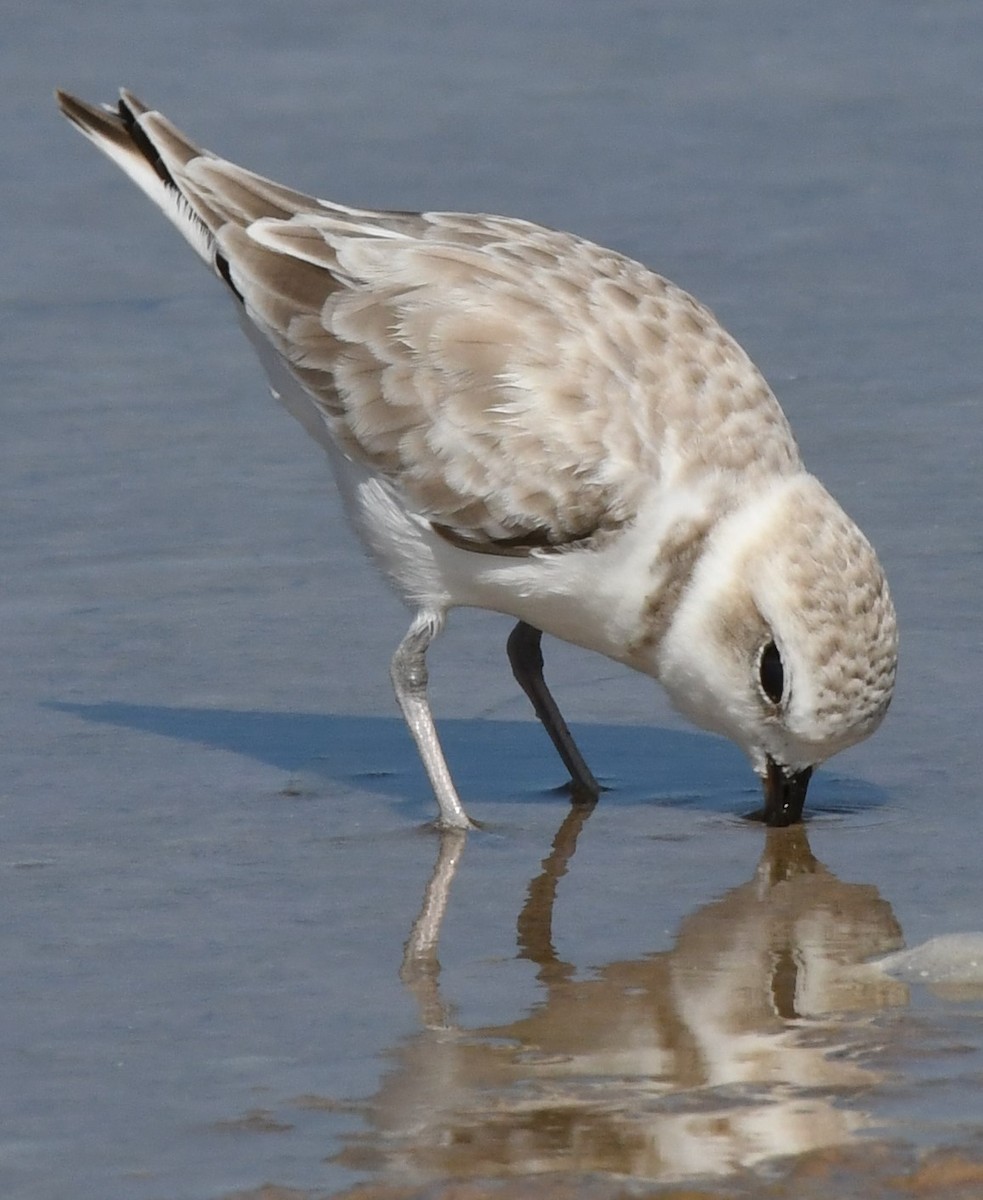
(420, 971)
(534, 928)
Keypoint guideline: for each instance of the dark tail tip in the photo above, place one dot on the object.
(129, 113)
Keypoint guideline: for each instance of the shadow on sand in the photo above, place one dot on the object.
(491, 759)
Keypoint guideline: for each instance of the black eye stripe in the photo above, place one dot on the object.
(772, 673)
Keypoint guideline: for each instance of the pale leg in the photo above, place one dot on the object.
(409, 676)
(526, 658)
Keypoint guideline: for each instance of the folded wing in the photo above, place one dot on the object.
(510, 381)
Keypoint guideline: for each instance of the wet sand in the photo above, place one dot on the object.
(234, 955)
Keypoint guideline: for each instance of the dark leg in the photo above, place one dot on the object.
(526, 658)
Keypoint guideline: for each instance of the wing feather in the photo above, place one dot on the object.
(514, 384)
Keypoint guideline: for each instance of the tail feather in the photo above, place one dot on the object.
(130, 109)
(201, 193)
(121, 135)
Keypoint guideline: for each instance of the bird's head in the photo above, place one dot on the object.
(785, 638)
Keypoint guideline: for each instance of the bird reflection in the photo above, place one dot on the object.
(734, 1046)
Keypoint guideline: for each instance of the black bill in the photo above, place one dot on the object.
(785, 794)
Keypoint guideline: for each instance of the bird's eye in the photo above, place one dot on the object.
(772, 673)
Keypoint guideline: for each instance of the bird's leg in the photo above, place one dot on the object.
(526, 659)
(409, 675)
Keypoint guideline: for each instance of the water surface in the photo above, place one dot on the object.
(234, 955)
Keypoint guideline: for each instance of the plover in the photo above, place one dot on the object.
(520, 420)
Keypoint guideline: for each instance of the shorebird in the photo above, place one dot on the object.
(523, 421)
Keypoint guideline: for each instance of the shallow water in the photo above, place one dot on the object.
(234, 955)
